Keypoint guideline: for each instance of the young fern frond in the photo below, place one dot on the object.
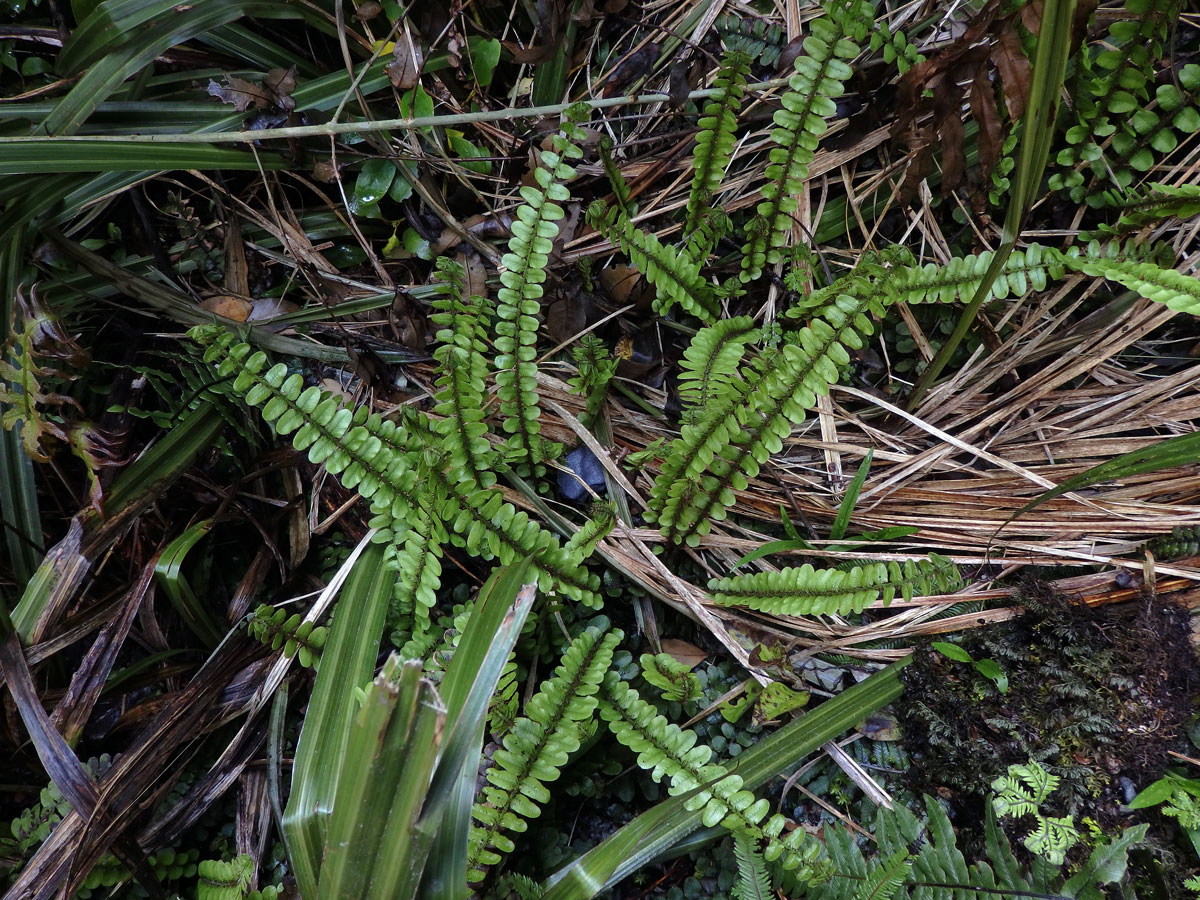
(820, 73)
(538, 745)
(583, 542)
(711, 359)
(715, 457)
(714, 145)
(665, 749)
(275, 628)
(805, 591)
(596, 366)
(523, 270)
(1153, 204)
(673, 272)
(418, 572)
(753, 881)
(462, 375)
(1167, 286)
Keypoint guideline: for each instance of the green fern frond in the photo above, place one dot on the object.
(417, 561)
(523, 270)
(275, 628)
(887, 877)
(538, 745)
(596, 367)
(1154, 203)
(1029, 269)
(381, 460)
(711, 359)
(753, 882)
(224, 880)
(673, 272)
(820, 73)
(462, 374)
(1167, 286)
(595, 529)
(714, 145)
(715, 456)
(805, 591)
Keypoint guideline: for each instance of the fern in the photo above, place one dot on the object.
(711, 360)
(275, 628)
(715, 455)
(224, 880)
(753, 881)
(1167, 286)
(518, 299)
(820, 73)
(596, 367)
(664, 749)
(673, 272)
(382, 461)
(714, 147)
(1153, 204)
(887, 878)
(462, 371)
(417, 561)
(538, 745)
(805, 591)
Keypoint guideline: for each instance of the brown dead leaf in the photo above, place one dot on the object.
(241, 94)
(1014, 69)
(531, 55)
(229, 307)
(367, 11)
(408, 322)
(268, 308)
(683, 652)
(280, 83)
(991, 132)
(636, 65)
(326, 170)
(404, 71)
(619, 282)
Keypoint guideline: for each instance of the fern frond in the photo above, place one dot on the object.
(820, 73)
(887, 878)
(1167, 286)
(1029, 269)
(753, 882)
(714, 144)
(711, 359)
(538, 745)
(1153, 204)
(523, 270)
(596, 366)
(381, 460)
(583, 542)
(275, 628)
(664, 749)
(462, 374)
(715, 456)
(673, 272)
(805, 591)
(417, 561)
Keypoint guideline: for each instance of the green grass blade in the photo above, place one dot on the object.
(841, 522)
(347, 663)
(372, 843)
(654, 832)
(31, 158)
(152, 39)
(168, 572)
(1166, 454)
(499, 614)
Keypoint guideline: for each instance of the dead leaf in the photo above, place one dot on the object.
(404, 71)
(636, 65)
(682, 652)
(619, 282)
(991, 132)
(229, 307)
(268, 308)
(568, 316)
(531, 55)
(326, 170)
(280, 83)
(1014, 69)
(241, 94)
(408, 322)
(367, 11)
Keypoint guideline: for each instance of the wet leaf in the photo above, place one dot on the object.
(485, 56)
(236, 309)
(684, 652)
(240, 94)
(777, 700)
(373, 181)
(636, 65)
(280, 83)
(1014, 69)
(404, 71)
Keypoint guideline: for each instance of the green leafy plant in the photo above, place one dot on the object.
(1021, 793)
(988, 668)
(298, 638)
